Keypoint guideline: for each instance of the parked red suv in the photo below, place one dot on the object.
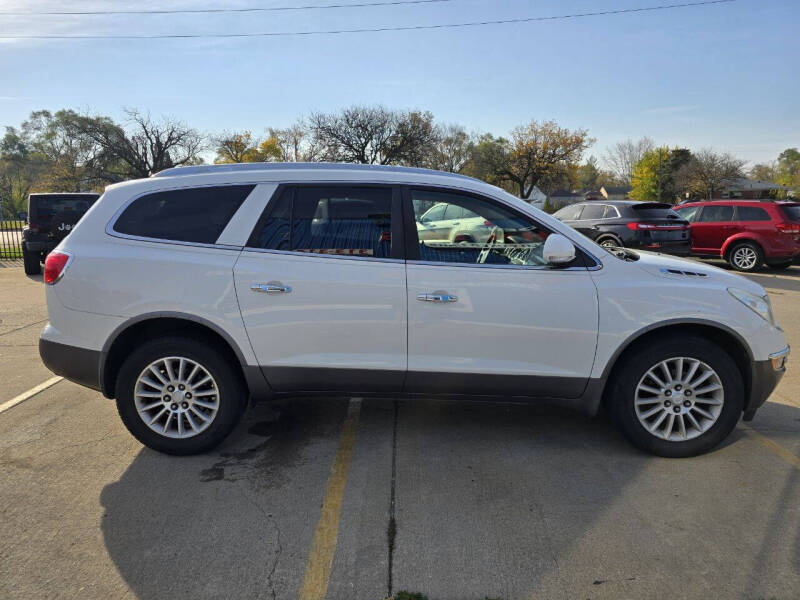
(746, 233)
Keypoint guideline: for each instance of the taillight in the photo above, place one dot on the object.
(788, 227)
(488, 223)
(54, 266)
(34, 227)
(650, 226)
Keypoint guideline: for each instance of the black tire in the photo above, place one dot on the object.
(232, 394)
(740, 265)
(609, 241)
(646, 356)
(31, 263)
(781, 265)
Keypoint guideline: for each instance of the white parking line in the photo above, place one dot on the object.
(29, 394)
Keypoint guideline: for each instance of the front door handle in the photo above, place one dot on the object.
(437, 297)
(271, 288)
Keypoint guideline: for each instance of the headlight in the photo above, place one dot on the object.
(758, 304)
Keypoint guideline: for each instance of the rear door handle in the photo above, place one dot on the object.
(271, 288)
(437, 297)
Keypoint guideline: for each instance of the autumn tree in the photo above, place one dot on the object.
(654, 176)
(623, 157)
(707, 172)
(788, 169)
(531, 153)
(372, 135)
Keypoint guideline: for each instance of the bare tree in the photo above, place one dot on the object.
(451, 149)
(373, 135)
(706, 174)
(143, 146)
(296, 143)
(622, 157)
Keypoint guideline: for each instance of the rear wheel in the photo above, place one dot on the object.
(678, 397)
(179, 396)
(746, 256)
(30, 262)
(609, 242)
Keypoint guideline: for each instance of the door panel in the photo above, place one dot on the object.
(341, 315)
(537, 325)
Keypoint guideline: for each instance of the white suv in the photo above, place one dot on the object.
(188, 293)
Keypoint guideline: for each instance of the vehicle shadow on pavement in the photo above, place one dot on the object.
(494, 500)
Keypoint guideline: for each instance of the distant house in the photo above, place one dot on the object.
(536, 197)
(616, 193)
(561, 198)
(750, 189)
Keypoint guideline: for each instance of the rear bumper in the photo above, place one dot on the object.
(76, 364)
(679, 248)
(32, 246)
(765, 376)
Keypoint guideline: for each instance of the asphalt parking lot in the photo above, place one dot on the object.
(353, 499)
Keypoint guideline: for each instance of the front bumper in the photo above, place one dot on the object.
(76, 364)
(765, 375)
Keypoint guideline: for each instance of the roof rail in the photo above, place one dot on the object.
(299, 166)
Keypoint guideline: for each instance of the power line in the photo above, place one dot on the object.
(220, 10)
(365, 30)
(217, 10)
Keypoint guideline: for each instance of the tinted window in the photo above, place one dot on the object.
(792, 212)
(45, 208)
(689, 213)
(352, 221)
(593, 211)
(498, 237)
(713, 213)
(653, 210)
(611, 212)
(751, 213)
(569, 213)
(191, 215)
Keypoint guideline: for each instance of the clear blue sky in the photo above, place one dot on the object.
(724, 76)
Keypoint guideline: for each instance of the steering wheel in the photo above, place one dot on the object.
(490, 243)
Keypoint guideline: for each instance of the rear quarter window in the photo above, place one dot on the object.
(792, 212)
(751, 213)
(190, 215)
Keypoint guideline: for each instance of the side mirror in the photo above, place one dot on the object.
(558, 250)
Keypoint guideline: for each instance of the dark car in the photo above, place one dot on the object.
(643, 225)
(746, 233)
(50, 219)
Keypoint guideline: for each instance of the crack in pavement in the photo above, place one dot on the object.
(391, 530)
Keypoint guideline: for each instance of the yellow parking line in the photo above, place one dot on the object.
(29, 394)
(772, 446)
(320, 560)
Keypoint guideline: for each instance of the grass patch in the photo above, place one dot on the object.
(14, 225)
(10, 254)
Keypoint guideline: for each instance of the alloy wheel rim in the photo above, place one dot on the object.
(679, 399)
(744, 257)
(176, 397)
(609, 244)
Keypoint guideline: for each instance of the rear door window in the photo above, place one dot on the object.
(569, 213)
(751, 213)
(190, 215)
(713, 213)
(333, 220)
(593, 211)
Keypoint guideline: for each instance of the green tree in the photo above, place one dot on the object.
(654, 176)
(788, 169)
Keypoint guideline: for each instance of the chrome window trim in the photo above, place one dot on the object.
(317, 255)
(515, 267)
(113, 220)
(616, 210)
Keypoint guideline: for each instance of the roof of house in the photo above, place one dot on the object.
(565, 194)
(743, 183)
(616, 190)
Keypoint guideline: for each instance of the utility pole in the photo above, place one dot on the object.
(658, 176)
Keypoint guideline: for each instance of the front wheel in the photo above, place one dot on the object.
(609, 243)
(179, 395)
(677, 397)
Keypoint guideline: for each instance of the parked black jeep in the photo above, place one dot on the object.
(50, 219)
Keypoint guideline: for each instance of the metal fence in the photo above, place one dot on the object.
(11, 239)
